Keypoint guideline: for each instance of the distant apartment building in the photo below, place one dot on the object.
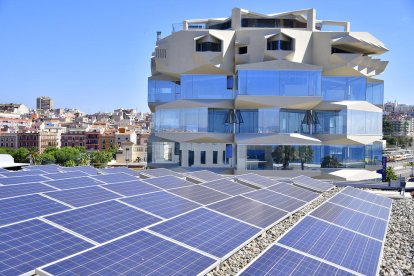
(270, 93)
(92, 139)
(74, 138)
(44, 103)
(402, 125)
(14, 123)
(8, 140)
(125, 135)
(12, 108)
(37, 139)
(107, 139)
(129, 153)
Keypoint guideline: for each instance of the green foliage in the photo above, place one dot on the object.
(69, 163)
(47, 158)
(6, 151)
(21, 155)
(283, 155)
(100, 159)
(390, 174)
(403, 141)
(330, 162)
(386, 126)
(66, 154)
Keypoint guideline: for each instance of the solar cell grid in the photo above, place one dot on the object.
(22, 173)
(352, 220)
(278, 260)
(46, 168)
(168, 182)
(28, 245)
(162, 204)
(360, 205)
(228, 187)
(131, 188)
(208, 231)
(294, 191)
(276, 200)
(19, 190)
(105, 221)
(26, 207)
(86, 169)
(200, 194)
(313, 184)
(22, 179)
(120, 170)
(141, 253)
(65, 175)
(249, 211)
(334, 244)
(83, 196)
(71, 183)
(159, 172)
(114, 178)
(379, 200)
(204, 175)
(256, 180)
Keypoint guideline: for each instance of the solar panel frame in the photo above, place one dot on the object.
(188, 261)
(227, 186)
(30, 244)
(66, 175)
(256, 180)
(204, 176)
(200, 194)
(294, 191)
(114, 178)
(73, 183)
(120, 170)
(50, 168)
(158, 173)
(367, 196)
(23, 179)
(8, 191)
(22, 173)
(105, 221)
(86, 169)
(312, 184)
(168, 182)
(132, 188)
(83, 196)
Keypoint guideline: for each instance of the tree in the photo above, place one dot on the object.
(283, 155)
(386, 126)
(69, 163)
(21, 155)
(6, 151)
(305, 154)
(47, 158)
(330, 162)
(34, 155)
(390, 174)
(66, 154)
(99, 159)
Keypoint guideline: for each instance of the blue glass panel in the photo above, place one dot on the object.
(294, 191)
(276, 200)
(217, 121)
(114, 178)
(343, 88)
(269, 120)
(168, 182)
(331, 122)
(65, 175)
(163, 91)
(248, 122)
(137, 254)
(291, 121)
(182, 120)
(228, 187)
(199, 194)
(208, 231)
(205, 87)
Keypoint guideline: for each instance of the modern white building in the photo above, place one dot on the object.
(269, 93)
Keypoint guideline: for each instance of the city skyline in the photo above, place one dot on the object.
(94, 55)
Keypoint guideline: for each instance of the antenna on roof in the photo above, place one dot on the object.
(158, 35)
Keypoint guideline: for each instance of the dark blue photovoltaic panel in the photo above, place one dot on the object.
(46, 168)
(281, 261)
(27, 245)
(162, 204)
(379, 200)
(114, 178)
(65, 175)
(313, 184)
(131, 188)
(160, 172)
(168, 182)
(120, 170)
(71, 183)
(294, 191)
(199, 194)
(3, 170)
(105, 221)
(334, 244)
(249, 211)
(228, 187)
(353, 220)
(83, 196)
(18, 190)
(86, 169)
(277, 200)
(204, 176)
(22, 179)
(137, 254)
(22, 173)
(208, 231)
(256, 180)
(361, 206)
(27, 207)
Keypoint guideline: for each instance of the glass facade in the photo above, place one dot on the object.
(291, 121)
(181, 120)
(279, 83)
(331, 122)
(300, 157)
(163, 91)
(205, 87)
(364, 122)
(218, 121)
(375, 93)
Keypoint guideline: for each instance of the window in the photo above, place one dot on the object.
(203, 157)
(279, 45)
(208, 47)
(242, 50)
(215, 156)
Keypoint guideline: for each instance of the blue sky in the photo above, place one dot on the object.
(95, 54)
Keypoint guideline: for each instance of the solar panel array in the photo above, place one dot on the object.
(174, 225)
(312, 184)
(335, 237)
(203, 176)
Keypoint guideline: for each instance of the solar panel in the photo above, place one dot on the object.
(294, 191)
(22, 179)
(277, 260)
(141, 253)
(28, 245)
(65, 175)
(360, 205)
(249, 211)
(46, 168)
(18, 190)
(168, 182)
(162, 204)
(131, 188)
(120, 170)
(105, 221)
(71, 183)
(114, 178)
(353, 220)
(256, 180)
(208, 231)
(26, 207)
(277, 200)
(312, 184)
(22, 173)
(3, 170)
(86, 169)
(379, 200)
(228, 187)
(334, 244)
(83, 196)
(204, 175)
(159, 172)
(199, 194)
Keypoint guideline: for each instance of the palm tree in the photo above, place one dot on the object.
(34, 156)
